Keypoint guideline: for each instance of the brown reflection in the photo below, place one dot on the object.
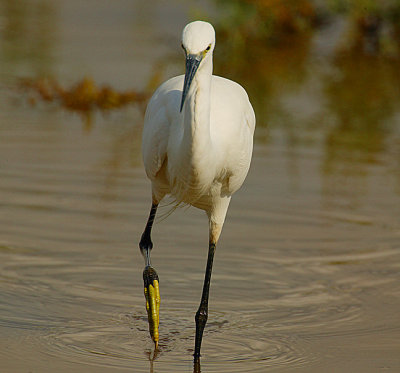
(265, 45)
(374, 27)
(267, 72)
(27, 41)
(83, 97)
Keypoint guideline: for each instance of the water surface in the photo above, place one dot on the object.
(306, 275)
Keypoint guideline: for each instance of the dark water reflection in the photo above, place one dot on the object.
(306, 276)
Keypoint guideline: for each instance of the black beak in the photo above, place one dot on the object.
(192, 64)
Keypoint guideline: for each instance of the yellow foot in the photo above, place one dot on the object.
(152, 295)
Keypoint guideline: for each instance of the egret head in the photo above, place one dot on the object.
(198, 41)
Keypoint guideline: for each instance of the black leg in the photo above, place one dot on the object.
(145, 243)
(202, 312)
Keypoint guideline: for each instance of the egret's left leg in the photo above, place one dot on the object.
(150, 278)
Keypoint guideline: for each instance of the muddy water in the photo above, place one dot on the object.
(306, 275)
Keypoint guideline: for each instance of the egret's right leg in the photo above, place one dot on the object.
(216, 221)
(145, 243)
(150, 277)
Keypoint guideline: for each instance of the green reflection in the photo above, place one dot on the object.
(362, 100)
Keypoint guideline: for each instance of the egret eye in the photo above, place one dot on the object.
(208, 48)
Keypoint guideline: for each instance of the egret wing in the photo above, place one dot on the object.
(161, 112)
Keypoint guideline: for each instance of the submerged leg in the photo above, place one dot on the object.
(150, 278)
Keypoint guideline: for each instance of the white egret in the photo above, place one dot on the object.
(197, 148)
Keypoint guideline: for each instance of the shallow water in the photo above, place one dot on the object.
(306, 275)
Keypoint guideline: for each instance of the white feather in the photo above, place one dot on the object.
(199, 156)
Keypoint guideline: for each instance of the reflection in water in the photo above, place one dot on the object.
(28, 37)
(354, 111)
(152, 357)
(84, 97)
(266, 73)
(307, 277)
(153, 354)
(362, 97)
(197, 366)
(362, 101)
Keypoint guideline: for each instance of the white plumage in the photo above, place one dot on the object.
(201, 155)
(197, 147)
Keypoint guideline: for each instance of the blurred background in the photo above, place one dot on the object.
(307, 273)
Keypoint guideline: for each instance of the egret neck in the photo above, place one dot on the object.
(196, 140)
